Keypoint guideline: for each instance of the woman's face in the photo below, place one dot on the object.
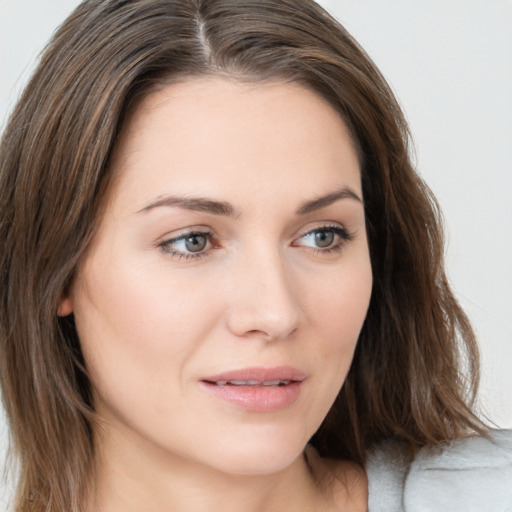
(220, 302)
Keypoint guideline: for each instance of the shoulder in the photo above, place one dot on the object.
(472, 474)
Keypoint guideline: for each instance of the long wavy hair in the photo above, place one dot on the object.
(415, 370)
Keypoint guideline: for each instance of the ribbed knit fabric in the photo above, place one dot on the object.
(468, 475)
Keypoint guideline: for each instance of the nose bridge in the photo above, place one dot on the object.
(264, 302)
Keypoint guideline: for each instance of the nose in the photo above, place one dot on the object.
(263, 300)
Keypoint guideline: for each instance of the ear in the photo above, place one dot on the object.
(65, 307)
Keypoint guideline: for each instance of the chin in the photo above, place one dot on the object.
(257, 464)
(256, 455)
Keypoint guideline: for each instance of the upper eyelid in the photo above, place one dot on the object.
(188, 234)
(325, 227)
(170, 237)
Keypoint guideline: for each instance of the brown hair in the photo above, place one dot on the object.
(415, 370)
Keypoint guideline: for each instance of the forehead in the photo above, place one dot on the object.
(225, 136)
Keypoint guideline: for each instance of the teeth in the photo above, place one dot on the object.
(277, 382)
(272, 382)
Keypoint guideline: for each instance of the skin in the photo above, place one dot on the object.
(154, 318)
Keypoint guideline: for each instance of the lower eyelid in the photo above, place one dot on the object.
(334, 248)
(182, 255)
(186, 256)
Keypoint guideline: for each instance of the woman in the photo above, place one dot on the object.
(216, 252)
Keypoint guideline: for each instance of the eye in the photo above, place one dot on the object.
(188, 245)
(195, 243)
(325, 238)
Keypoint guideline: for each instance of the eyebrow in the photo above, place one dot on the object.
(327, 200)
(207, 205)
(197, 204)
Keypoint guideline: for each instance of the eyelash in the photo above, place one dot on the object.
(166, 244)
(343, 234)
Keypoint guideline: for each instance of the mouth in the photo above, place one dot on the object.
(257, 389)
(251, 383)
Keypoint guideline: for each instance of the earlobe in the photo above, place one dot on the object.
(65, 307)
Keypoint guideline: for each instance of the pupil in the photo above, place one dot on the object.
(324, 238)
(195, 243)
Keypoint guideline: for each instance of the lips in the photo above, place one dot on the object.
(257, 389)
(259, 375)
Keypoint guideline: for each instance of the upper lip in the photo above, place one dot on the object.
(260, 374)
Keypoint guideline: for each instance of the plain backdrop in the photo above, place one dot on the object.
(450, 65)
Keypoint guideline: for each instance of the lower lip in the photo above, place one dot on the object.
(256, 398)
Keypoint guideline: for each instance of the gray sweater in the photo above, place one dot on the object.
(469, 475)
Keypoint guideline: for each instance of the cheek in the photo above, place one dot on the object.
(338, 306)
(142, 308)
(134, 324)
(337, 311)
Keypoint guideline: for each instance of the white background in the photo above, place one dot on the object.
(450, 64)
